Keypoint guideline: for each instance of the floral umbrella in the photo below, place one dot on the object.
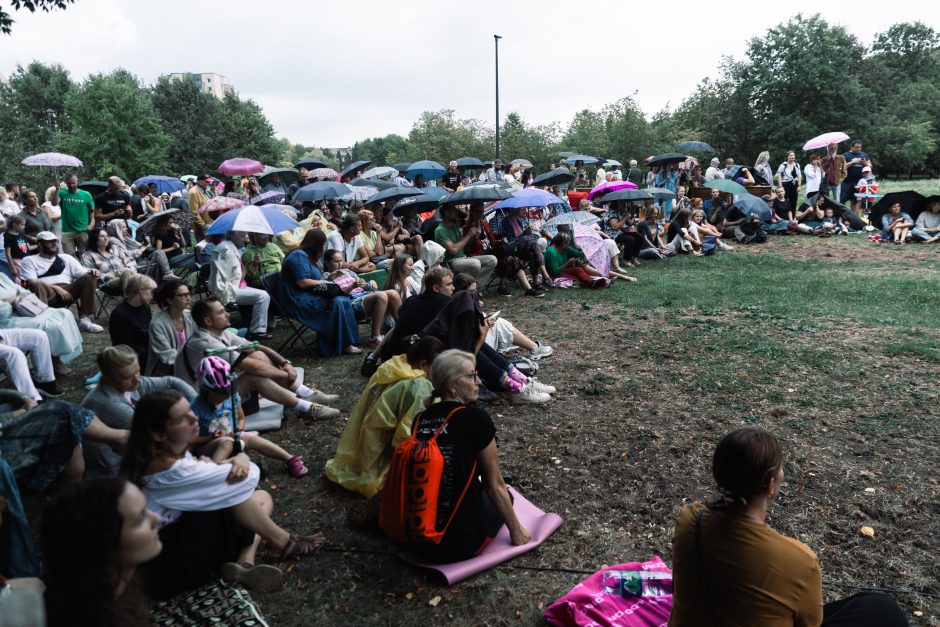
(593, 246)
(267, 198)
(221, 204)
(324, 174)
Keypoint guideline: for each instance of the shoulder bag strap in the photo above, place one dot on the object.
(701, 566)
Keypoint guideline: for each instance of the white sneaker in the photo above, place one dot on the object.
(316, 396)
(538, 386)
(85, 324)
(540, 350)
(528, 395)
(724, 246)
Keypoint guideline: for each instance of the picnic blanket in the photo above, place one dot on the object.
(215, 603)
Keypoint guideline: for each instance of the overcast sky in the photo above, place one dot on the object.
(330, 74)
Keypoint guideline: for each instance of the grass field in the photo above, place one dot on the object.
(833, 345)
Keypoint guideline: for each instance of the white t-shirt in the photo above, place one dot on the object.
(600, 177)
(335, 241)
(9, 208)
(713, 173)
(33, 265)
(812, 174)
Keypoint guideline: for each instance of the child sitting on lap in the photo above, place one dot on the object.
(213, 408)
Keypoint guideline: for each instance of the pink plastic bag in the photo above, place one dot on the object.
(588, 605)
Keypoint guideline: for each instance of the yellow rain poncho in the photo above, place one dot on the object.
(380, 421)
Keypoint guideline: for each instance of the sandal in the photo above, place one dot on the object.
(352, 349)
(298, 546)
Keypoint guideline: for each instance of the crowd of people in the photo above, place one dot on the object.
(154, 468)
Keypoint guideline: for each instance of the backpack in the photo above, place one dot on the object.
(410, 493)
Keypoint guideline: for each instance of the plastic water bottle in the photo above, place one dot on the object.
(637, 583)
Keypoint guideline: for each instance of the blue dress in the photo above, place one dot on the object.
(332, 319)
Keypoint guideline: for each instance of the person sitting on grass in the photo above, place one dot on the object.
(213, 408)
(927, 227)
(705, 229)
(381, 419)
(129, 323)
(511, 259)
(681, 236)
(212, 514)
(565, 261)
(722, 553)
(833, 223)
(262, 371)
(810, 214)
(170, 327)
(348, 240)
(400, 278)
(618, 230)
(649, 230)
(368, 302)
(896, 225)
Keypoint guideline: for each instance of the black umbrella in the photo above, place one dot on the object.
(840, 210)
(401, 167)
(393, 193)
(753, 206)
(93, 187)
(564, 154)
(497, 184)
(288, 175)
(694, 146)
(310, 163)
(421, 203)
(470, 163)
(558, 176)
(472, 194)
(911, 202)
(376, 183)
(354, 167)
(669, 157)
(627, 194)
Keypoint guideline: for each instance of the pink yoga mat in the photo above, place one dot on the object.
(539, 524)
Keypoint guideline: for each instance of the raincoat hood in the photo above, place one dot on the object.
(396, 369)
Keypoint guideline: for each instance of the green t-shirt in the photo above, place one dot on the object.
(451, 235)
(75, 209)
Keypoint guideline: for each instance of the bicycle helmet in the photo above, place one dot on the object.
(213, 373)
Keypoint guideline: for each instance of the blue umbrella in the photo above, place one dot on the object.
(165, 184)
(627, 194)
(694, 146)
(434, 192)
(659, 193)
(252, 219)
(320, 191)
(431, 170)
(394, 193)
(529, 197)
(583, 158)
(751, 205)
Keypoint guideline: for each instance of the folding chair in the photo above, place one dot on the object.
(105, 294)
(271, 282)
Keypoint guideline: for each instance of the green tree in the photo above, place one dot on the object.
(32, 118)
(903, 147)
(629, 133)
(439, 136)
(909, 50)
(586, 134)
(115, 129)
(246, 132)
(538, 144)
(6, 21)
(381, 150)
(190, 118)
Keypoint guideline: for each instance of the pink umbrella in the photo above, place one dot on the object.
(221, 204)
(610, 186)
(239, 166)
(825, 139)
(593, 246)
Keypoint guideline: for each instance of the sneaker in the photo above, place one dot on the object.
(260, 578)
(49, 389)
(85, 324)
(503, 291)
(320, 412)
(316, 396)
(528, 395)
(484, 395)
(538, 386)
(295, 466)
(540, 350)
(258, 336)
(535, 293)
(369, 365)
(375, 340)
(724, 246)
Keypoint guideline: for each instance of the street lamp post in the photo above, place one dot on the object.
(496, 39)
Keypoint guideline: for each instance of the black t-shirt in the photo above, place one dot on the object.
(469, 431)
(137, 207)
(16, 243)
(674, 230)
(855, 171)
(414, 314)
(451, 181)
(781, 208)
(109, 203)
(644, 230)
(131, 326)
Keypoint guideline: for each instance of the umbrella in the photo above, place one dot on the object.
(183, 218)
(402, 167)
(525, 163)
(911, 202)
(610, 186)
(840, 210)
(564, 154)
(572, 159)
(188, 177)
(165, 184)
(267, 198)
(572, 217)
(496, 185)
(593, 246)
(253, 219)
(421, 202)
(221, 204)
(239, 166)
(529, 197)
(727, 185)
(355, 166)
(288, 175)
(431, 170)
(660, 193)
(434, 192)
(470, 163)
(324, 174)
(93, 187)
(472, 194)
(628, 194)
(53, 159)
(381, 172)
(669, 157)
(378, 184)
(753, 206)
(558, 176)
(613, 162)
(394, 193)
(320, 191)
(694, 146)
(310, 163)
(360, 192)
(821, 141)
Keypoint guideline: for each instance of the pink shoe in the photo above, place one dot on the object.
(295, 465)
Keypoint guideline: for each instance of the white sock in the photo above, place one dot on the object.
(303, 406)
(303, 390)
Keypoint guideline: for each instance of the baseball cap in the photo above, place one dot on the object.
(715, 161)
(46, 236)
